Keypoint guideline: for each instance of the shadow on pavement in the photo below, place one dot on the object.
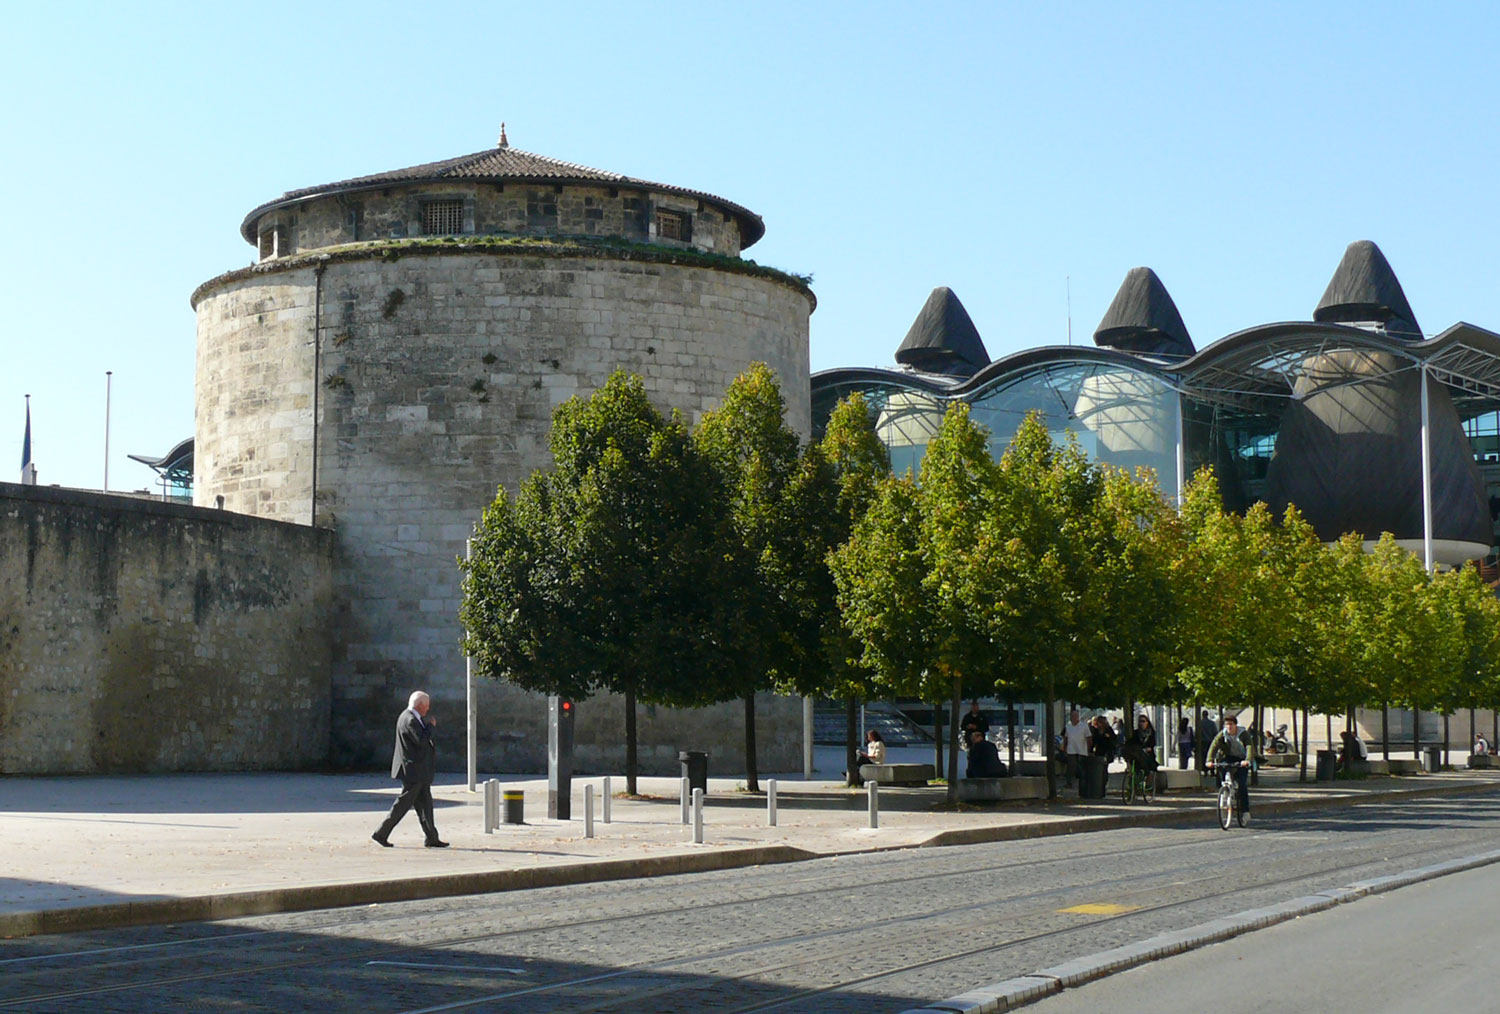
(235, 966)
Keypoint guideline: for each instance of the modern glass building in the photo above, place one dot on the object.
(1355, 416)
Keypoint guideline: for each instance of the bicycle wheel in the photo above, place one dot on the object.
(1127, 785)
(1226, 805)
(1148, 787)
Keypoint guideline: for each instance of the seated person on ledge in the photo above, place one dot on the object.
(984, 759)
(1353, 749)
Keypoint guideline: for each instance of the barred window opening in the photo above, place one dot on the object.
(443, 218)
(672, 225)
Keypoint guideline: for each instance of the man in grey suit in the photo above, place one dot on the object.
(415, 763)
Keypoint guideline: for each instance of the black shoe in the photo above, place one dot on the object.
(435, 844)
(381, 841)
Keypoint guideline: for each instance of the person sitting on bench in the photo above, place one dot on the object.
(984, 759)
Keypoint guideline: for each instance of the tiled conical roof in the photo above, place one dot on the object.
(943, 339)
(1144, 319)
(504, 164)
(1364, 288)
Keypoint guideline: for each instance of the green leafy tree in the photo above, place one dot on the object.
(606, 573)
(756, 456)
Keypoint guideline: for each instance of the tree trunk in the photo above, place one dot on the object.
(1328, 732)
(1473, 728)
(752, 779)
(632, 761)
(1445, 739)
(1010, 730)
(937, 738)
(1385, 730)
(851, 734)
(1306, 739)
(955, 706)
(1051, 733)
(1416, 735)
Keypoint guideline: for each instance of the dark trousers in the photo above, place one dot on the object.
(1242, 782)
(414, 796)
(1184, 754)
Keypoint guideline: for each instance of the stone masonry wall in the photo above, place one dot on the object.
(438, 373)
(522, 209)
(138, 636)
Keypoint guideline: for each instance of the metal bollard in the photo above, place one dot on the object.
(697, 816)
(607, 796)
(686, 801)
(770, 802)
(588, 811)
(515, 805)
(491, 805)
(873, 788)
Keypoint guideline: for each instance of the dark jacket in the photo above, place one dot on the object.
(1102, 742)
(984, 761)
(415, 758)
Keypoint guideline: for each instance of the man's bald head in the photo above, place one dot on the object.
(419, 702)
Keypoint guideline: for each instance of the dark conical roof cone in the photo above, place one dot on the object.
(1365, 288)
(1144, 319)
(943, 339)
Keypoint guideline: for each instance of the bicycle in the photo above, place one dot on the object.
(1138, 783)
(1229, 797)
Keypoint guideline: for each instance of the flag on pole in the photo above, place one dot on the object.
(28, 470)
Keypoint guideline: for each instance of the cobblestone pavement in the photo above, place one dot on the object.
(865, 933)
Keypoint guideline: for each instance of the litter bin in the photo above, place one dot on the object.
(1432, 757)
(1092, 777)
(1328, 765)
(695, 769)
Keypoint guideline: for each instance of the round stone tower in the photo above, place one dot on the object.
(394, 356)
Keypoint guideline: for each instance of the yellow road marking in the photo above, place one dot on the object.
(1100, 908)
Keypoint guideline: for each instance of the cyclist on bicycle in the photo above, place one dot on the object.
(1227, 743)
(1140, 746)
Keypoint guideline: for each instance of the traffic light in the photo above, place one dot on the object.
(560, 716)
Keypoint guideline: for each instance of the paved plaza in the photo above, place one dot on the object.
(106, 851)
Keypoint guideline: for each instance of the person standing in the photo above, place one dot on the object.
(973, 721)
(1207, 730)
(1185, 746)
(415, 763)
(1075, 745)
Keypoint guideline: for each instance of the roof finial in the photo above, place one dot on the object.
(503, 142)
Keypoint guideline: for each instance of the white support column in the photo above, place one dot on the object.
(473, 715)
(1426, 476)
(1181, 459)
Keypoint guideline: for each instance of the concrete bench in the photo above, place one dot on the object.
(992, 790)
(1169, 779)
(1372, 767)
(1482, 760)
(1405, 766)
(1281, 760)
(896, 774)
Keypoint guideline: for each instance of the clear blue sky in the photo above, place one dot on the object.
(998, 149)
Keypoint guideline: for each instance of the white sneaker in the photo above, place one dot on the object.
(1246, 817)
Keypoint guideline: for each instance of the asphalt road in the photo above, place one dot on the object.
(1428, 947)
(866, 934)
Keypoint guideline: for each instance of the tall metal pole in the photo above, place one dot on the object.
(473, 739)
(108, 381)
(807, 738)
(1426, 477)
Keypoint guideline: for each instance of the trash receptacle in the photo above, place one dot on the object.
(1092, 777)
(1432, 759)
(1328, 765)
(695, 769)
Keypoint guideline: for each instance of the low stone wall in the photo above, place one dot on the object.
(139, 636)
